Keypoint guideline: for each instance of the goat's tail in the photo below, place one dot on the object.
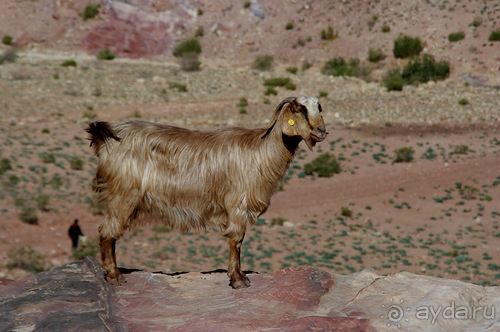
(100, 132)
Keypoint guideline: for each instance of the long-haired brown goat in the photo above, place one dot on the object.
(193, 179)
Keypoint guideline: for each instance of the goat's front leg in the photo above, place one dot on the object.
(235, 235)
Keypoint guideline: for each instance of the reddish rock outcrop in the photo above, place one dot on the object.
(137, 29)
(76, 297)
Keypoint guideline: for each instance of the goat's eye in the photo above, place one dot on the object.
(319, 108)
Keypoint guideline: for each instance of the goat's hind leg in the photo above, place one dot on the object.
(109, 232)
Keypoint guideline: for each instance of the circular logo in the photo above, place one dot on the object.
(395, 313)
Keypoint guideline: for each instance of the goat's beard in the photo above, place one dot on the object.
(310, 142)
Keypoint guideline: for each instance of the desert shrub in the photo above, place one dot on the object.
(190, 62)
(290, 25)
(75, 163)
(328, 34)
(26, 258)
(263, 62)
(463, 102)
(177, 86)
(375, 55)
(306, 65)
(494, 36)
(425, 69)
(292, 70)
(7, 40)
(90, 11)
(242, 104)
(270, 91)
(456, 36)
(323, 94)
(47, 157)
(407, 46)
(340, 67)
(105, 54)
(42, 201)
(325, 165)
(69, 63)
(188, 46)
(9, 55)
(87, 247)
(28, 215)
(372, 21)
(477, 21)
(345, 212)
(278, 221)
(403, 155)
(56, 181)
(385, 28)
(4, 165)
(280, 82)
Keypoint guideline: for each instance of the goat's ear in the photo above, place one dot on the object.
(277, 112)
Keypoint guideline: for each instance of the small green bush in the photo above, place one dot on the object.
(69, 63)
(90, 11)
(494, 36)
(323, 94)
(270, 91)
(375, 55)
(407, 46)
(86, 248)
(28, 215)
(9, 55)
(105, 54)
(385, 28)
(325, 165)
(42, 201)
(456, 36)
(425, 69)
(177, 86)
(292, 70)
(477, 21)
(7, 40)
(188, 46)
(290, 25)
(340, 67)
(263, 62)
(75, 163)
(277, 81)
(328, 34)
(345, 212)
(26, 258)
(243, 102)
(403, 155)
(47, 157)
(463, 102)
(4, 166)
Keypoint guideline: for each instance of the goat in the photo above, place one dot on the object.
(193, 179)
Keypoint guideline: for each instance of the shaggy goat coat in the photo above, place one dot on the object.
(187, 178)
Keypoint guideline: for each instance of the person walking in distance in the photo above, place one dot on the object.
(74, 233)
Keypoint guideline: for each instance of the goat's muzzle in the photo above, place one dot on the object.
(319, 134)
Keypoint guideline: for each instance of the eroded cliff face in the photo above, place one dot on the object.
(76, 297)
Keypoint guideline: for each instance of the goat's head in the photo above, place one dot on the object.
(300, 116)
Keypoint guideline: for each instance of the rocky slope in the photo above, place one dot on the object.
(75, 297)
(236, 32)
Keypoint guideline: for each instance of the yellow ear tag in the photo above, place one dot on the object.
(291, 122)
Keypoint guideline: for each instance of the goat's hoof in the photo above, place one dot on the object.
(242, 282)
(115, 278)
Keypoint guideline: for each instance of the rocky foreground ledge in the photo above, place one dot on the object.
(75, 297)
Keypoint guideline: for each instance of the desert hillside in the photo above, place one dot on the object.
(407, 180)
